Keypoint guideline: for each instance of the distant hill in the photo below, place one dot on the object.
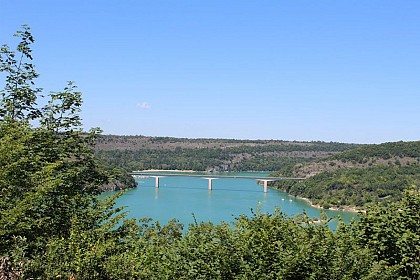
(356, 177)
(168, 153)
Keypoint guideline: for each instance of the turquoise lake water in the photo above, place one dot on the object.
(181, 197)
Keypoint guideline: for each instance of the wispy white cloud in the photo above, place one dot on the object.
(143, 105)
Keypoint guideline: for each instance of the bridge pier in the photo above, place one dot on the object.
(157, 180)
(210, 187)
(265, 183)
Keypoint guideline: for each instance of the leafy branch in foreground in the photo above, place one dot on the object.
(49, 177)
(19, 95)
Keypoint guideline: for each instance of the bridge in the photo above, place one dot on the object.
(210, 177)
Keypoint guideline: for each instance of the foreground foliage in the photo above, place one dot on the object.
(385, 244)
(53, 226)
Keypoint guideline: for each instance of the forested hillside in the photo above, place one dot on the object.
(368, 174)
(140, 152)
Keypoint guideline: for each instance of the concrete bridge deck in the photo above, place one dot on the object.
(210, 177)
(181, 174)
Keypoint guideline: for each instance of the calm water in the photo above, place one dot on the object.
(181, 197)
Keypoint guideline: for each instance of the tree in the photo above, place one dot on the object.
(49, 177)
(393, 234)
(19, 96)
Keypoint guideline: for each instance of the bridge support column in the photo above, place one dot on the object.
(210, 182)
(157, 180)
(265, 184)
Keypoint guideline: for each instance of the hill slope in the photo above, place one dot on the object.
(141, 152)
(356, 177)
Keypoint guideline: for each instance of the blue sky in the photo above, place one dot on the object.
(345, 71)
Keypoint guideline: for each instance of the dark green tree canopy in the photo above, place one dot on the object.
(48, 173)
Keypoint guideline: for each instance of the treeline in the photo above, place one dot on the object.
(261, 157)
(267, 163)
(164, 159)
(194, 159)
(147, 141)
(383, 151)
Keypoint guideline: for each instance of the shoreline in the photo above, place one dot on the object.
(167, 170)
(351, 209)
(195, 171)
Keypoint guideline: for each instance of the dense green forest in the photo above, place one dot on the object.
(365, 175)
(54, 226)
(140, 153)
(384, 151)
